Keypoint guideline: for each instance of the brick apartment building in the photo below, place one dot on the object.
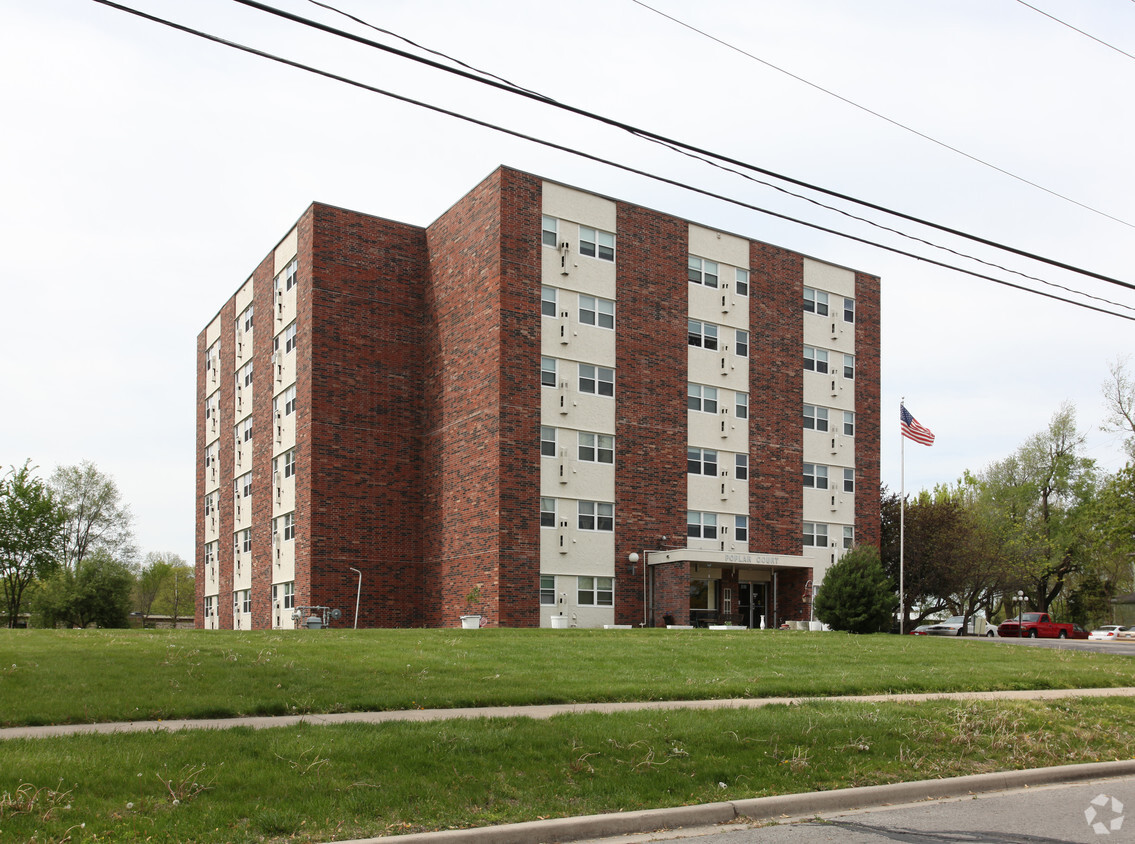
(563, 404)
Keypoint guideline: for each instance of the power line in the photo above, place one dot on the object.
(881, 116)
(644, 133)
(579, 153)
(1074, 29)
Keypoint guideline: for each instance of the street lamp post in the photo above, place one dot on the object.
(1020, 599)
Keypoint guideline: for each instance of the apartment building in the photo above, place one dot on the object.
(548, 407)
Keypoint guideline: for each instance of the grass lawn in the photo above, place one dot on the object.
(319, 783)
(76, 676)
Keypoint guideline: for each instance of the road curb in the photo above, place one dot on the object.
(783, 807)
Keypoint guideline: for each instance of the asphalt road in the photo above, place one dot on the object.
(1123, 646)
(1054, 814)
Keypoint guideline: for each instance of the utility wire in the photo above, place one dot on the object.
(1074, 29)
(742, 174)
(881, 116)
(579, 153)
(653, 135)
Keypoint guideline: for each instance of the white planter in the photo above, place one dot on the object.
(725, 627)
(561, 622)
(471, 622)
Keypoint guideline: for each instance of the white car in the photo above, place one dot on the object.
(1106, 633)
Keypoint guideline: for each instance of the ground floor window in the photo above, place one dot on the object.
(547, 590)
(209, 609)
(596, 592)
(701, 595)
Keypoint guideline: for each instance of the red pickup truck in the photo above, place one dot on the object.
(1035, 625)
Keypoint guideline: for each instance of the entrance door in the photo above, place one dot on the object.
(752, 604)
(745, 603)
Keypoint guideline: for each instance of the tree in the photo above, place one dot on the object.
(31, 523)
(154, 573)
(1119, 397)
(856, 594)
(96, 515)
(165, 586)
(97, 591)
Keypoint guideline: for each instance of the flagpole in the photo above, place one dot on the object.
(902, 525)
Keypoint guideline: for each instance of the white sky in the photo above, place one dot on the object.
(144, 173)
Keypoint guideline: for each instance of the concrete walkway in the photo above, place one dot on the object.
(780, 808)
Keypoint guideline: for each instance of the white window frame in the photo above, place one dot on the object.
(848, 537)
(741, 343)
(703, 272)
(208, 610)
(547, 590)
(701, 398)
(288, 525)
(594, 591)
(246, 374)
(742, 282)
(741, 467)
(596, 380)
(288, 458)
(849, 367)
(849, 423)
(290, 338)
(848, 310)
(815, 301)
(815, 418)
(849, 481)
(549, 231)
(548, 367)
(701, 525)
(245, 540)
(245, 482)
(549, 301)
(594, 310)
(815, 360)
(246, 318)
(548, 509)
(289, 401)
(815, 476)
(741, 405)
(815, 535)
(596, 243)
(741, 528)
(701, 335)
(596, 448)
(596, 516)
(701, 461)
(548, 437)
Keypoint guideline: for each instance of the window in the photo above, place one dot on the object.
(849, 480)
(702, 334)
(742, 282)
(547, 372)
(289, 401)
(291, 274)
(815, 301)
(703, 399)
(246, 318)
(815, 360)
(741, 347)
(549, 231)
(289, 523)
(548, 301)
(596, 448)
(547, 590)
(209, 504)
(701, 461)
(596, 515)
(245, 541)
(849, 366)
(741, 470)
(289, 458)
(246, 374)
(547, 512)
(210, 553)
(702, 271)
(848, 537)
(246, 600)
(597, 380)
(596, 244)
(741, 528)
(208, 408)
(209, 609)
(701, 525)
(547, 442)
(246, 429)
(209, 449)
(595, 591)
(848, 423)
(815, 536)
(595, 311)
(815, 418)
(289, 338)
(285, 592)
(742, 405)
(245, 484)
(849, 310)
(815, 477)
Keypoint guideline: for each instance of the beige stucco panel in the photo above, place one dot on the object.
(828, 277)
(287, 250)
(567, 203)
(719, 246)
(565, 338)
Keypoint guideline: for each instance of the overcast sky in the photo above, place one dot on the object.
(146, 172)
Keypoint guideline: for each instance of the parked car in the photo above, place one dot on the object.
(952, 626)
(1078, 632)
(1037, 624)
(921, 630)
(1107, 633)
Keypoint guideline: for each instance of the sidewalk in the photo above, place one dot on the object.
(543, 711)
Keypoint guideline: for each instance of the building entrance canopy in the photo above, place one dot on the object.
(726, 559)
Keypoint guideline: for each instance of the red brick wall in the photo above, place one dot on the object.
(263, 437)
(867, 420)
(361, 411)
(226, 376)
(650, 396)
(793, 599)
(204, 387)
(670, 583)
(776, 429)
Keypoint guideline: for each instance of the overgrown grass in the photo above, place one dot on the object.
(57, 677)
(310, 783)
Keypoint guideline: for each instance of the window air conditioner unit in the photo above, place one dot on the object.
(724, 429)
(565, 336)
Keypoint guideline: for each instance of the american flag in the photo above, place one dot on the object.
(912, 430)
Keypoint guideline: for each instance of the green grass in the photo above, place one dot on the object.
(311, 783)
(58, 677)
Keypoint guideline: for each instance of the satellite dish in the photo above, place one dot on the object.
(336, 614)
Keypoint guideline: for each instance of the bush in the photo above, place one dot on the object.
(856, 594)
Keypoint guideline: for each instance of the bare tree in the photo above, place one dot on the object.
(96, 515)
(1119, 396)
